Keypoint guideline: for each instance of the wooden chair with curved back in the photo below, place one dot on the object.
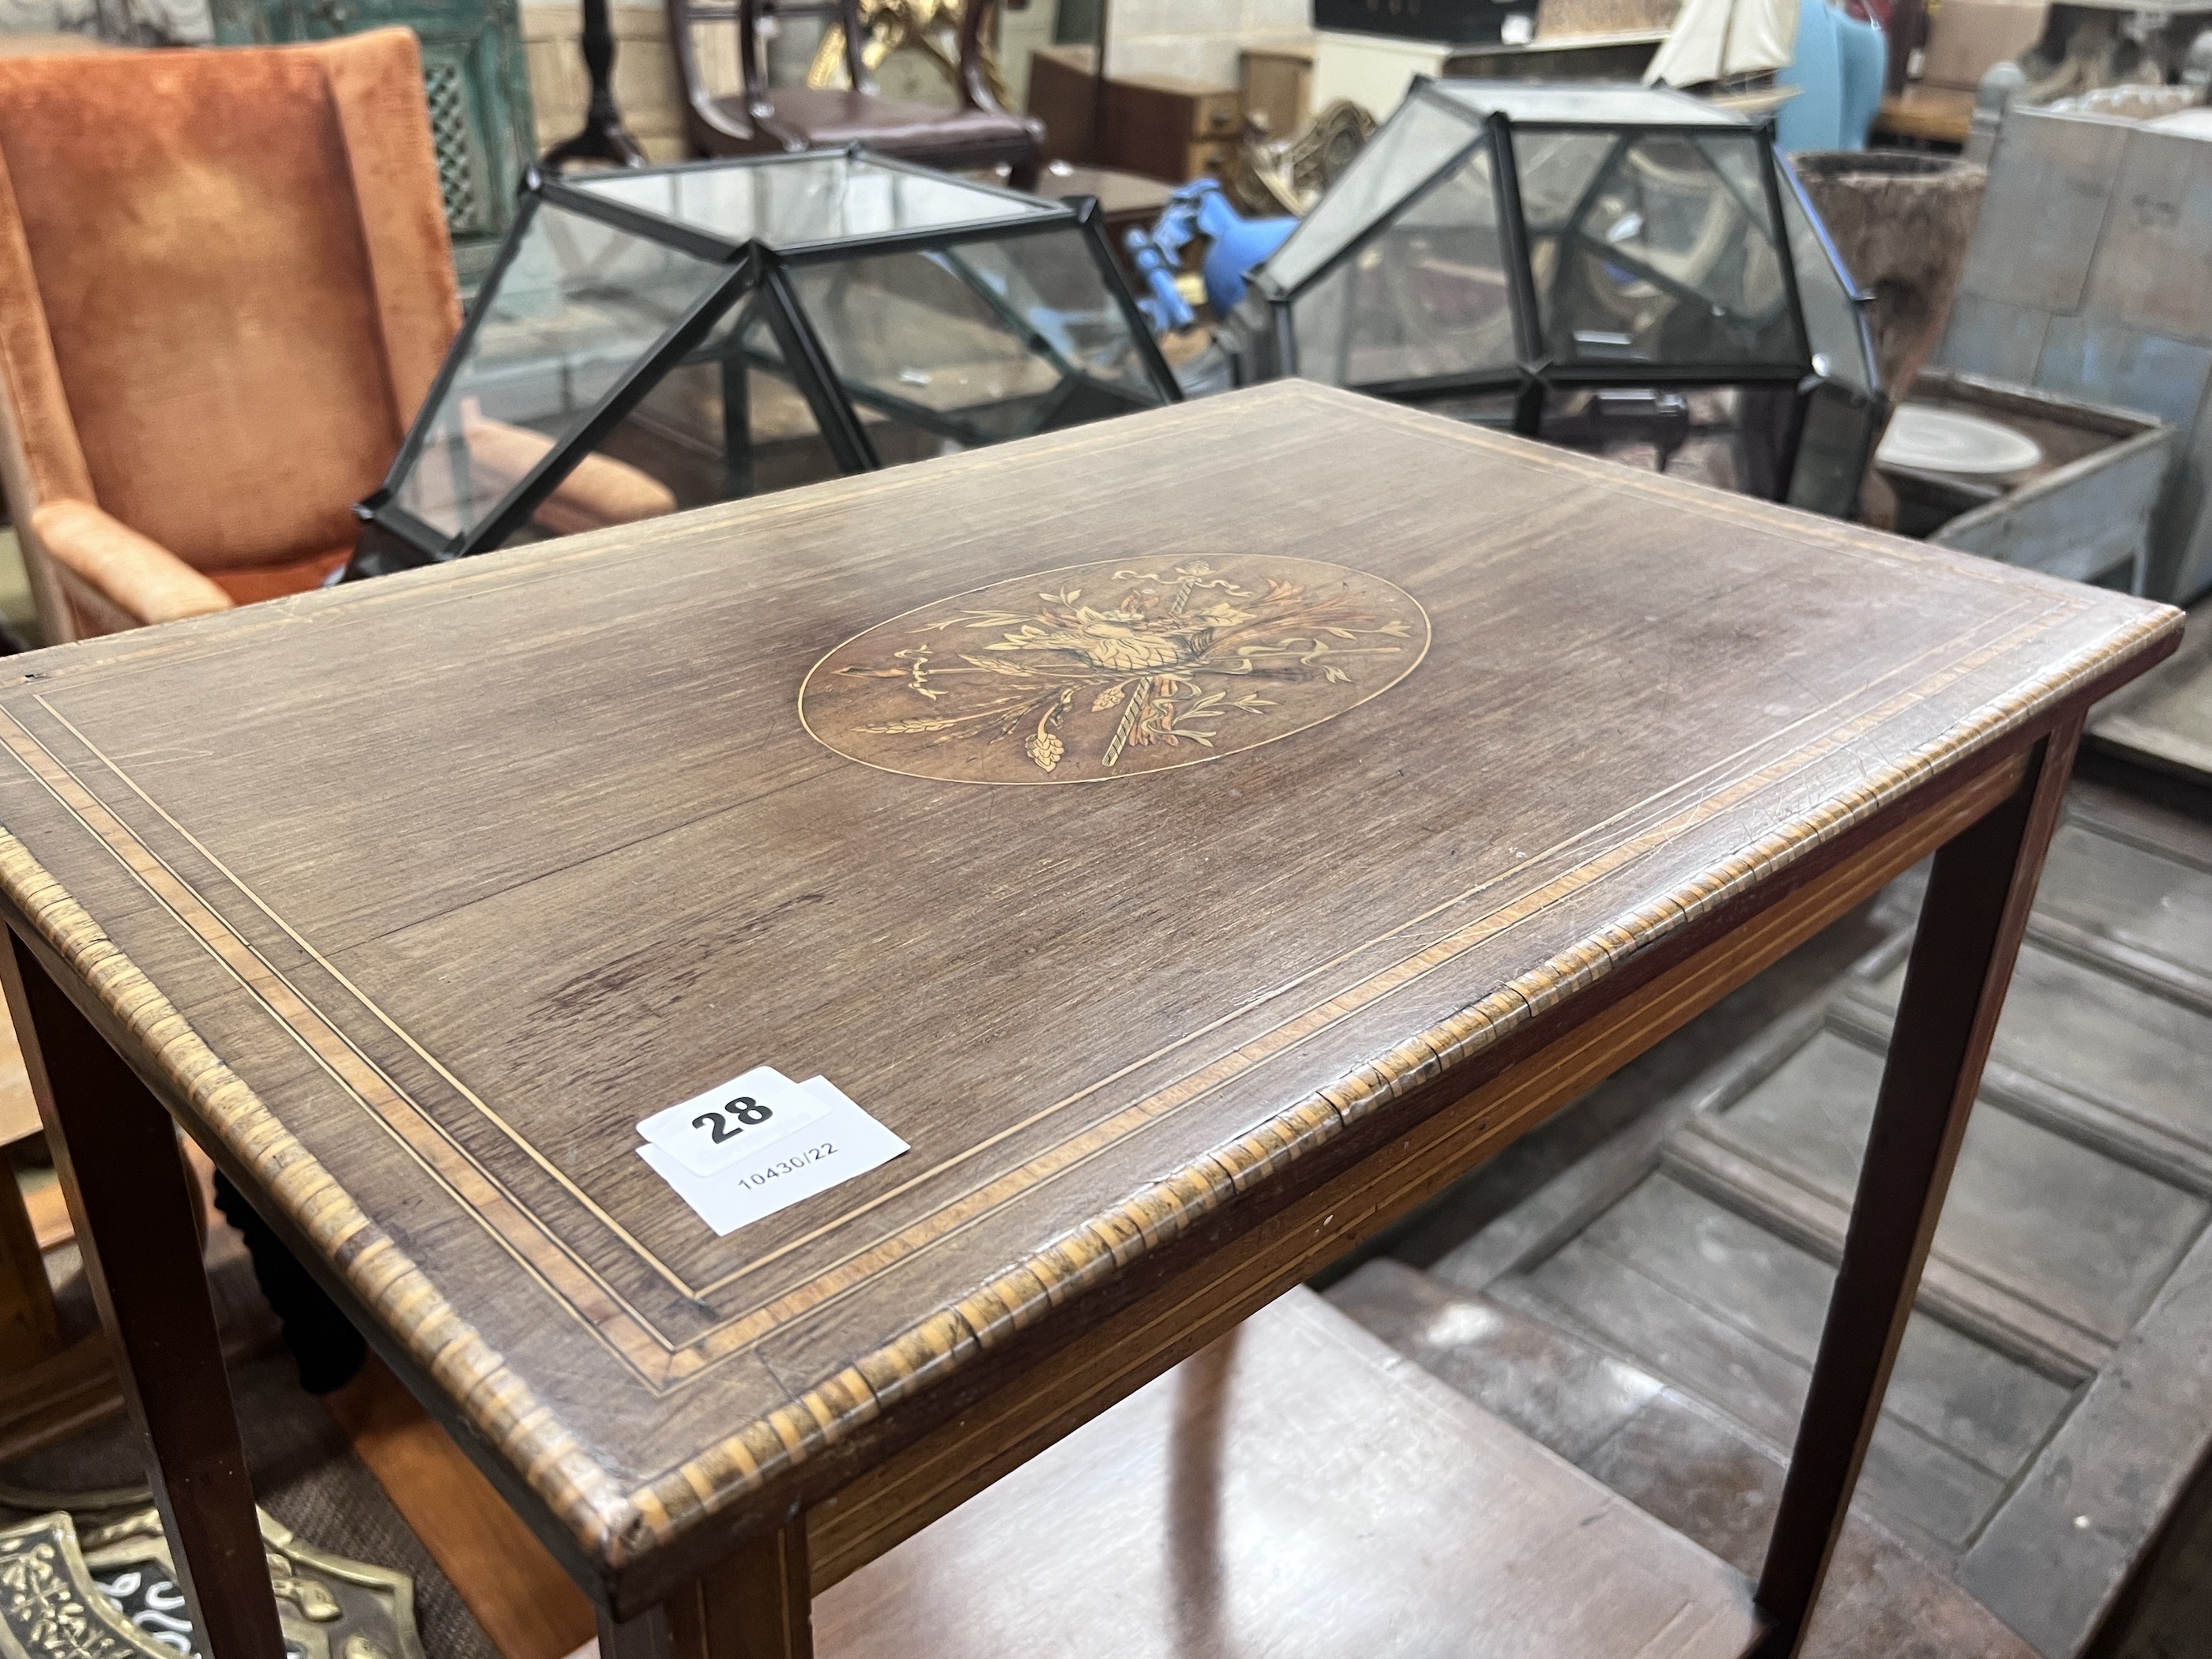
(975, 134)
(225, 288)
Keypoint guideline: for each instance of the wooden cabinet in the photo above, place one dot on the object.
(473, 77)
(1278, 85)
(1160, 125)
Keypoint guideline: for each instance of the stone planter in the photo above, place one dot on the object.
(1902, 223)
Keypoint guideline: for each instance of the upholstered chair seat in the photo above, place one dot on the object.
(225, 288)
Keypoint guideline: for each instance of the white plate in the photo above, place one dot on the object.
(1944, 440)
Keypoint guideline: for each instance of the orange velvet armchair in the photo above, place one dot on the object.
(225, 288)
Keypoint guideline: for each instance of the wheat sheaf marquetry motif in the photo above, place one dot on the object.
(1113, 668)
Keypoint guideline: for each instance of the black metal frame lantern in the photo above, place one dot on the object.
(1555, 257)
(618, 358)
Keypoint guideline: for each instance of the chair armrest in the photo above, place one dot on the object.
(133, 573)
(600, 491)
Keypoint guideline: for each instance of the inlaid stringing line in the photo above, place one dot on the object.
(399, 1116)
(499, 1403)
(685, 1357)
(674, 1279)
(680, 1363)
(618, 1528)
(729, 1336)
(980, 1203)
(1083, 1255)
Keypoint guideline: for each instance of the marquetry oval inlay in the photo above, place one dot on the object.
(1108, 670)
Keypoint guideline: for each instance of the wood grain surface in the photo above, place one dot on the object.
(1295, 1490)
(412, 899)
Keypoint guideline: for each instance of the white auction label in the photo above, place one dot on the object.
(729, 1124)
(842, 1142)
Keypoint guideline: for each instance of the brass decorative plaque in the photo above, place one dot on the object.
(1107, 669)
(111, 1591)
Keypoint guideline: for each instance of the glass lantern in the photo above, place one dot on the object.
(660, 338)
(1624, 269)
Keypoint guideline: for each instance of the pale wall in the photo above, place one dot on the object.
(1199, 39)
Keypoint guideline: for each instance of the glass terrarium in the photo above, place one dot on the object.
(1624, 269)
(660, 338)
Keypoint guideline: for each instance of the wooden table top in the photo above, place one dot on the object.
(1117, 816)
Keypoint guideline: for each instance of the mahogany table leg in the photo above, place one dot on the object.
(756, 1605)
(645, 1637)
(1970, 925)
(135, 1209)
(765, 1608)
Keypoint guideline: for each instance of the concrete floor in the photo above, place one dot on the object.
(2166, 1614)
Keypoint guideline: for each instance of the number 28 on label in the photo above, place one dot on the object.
(714, 1130)
(727, 1122)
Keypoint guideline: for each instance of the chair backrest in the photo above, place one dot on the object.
(844, 13)
(685, 16)
(973, 85)
(225, 286)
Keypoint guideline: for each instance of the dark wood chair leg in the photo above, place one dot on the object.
(135, 1210)
(29, 1331)
(1970, 925)
(757, 1605)
(603, 137)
